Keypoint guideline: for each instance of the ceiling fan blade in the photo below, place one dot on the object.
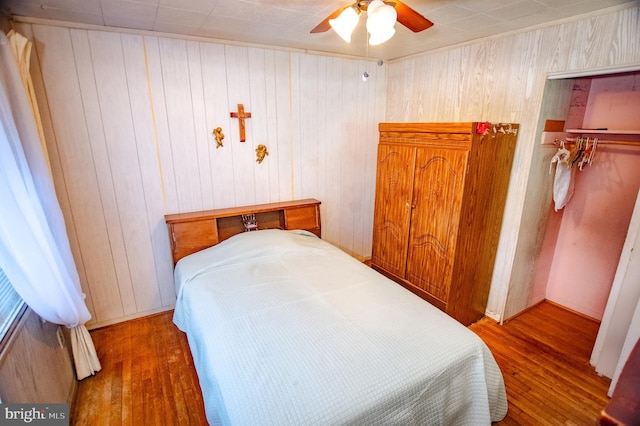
(410, 18)
(324, 25)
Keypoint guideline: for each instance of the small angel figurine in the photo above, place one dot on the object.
(261, 151)
(217, 132)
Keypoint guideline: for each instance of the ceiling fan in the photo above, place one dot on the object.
(405, 15)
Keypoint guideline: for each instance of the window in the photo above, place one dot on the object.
(10, 304)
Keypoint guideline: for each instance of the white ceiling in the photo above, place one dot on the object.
(287, 23)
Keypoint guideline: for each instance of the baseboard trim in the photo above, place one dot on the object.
(137, 315)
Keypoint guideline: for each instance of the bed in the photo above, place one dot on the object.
(287, 329)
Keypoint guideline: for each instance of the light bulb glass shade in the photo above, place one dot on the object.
(345, 23)
(380, 22)
(380, 37)
(387, 15)
(373, 5)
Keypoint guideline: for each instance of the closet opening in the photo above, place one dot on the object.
(583, 210)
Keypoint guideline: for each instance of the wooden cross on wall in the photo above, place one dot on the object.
(241, 115)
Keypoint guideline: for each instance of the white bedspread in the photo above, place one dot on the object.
(286, 329)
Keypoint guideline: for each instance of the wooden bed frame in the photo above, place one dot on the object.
(194, 231)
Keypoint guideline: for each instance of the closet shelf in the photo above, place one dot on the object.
(603, 132)
(613, 137)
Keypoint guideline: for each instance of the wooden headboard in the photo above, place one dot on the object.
(194, 231)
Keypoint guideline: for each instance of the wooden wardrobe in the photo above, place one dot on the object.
(440, 195)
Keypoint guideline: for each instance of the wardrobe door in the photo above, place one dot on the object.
(392, 207)
(437, 198)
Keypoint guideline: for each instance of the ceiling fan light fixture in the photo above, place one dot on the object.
(345, 23)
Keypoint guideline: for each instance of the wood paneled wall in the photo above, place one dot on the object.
(503, 79)
(129, 121)
(34, 366)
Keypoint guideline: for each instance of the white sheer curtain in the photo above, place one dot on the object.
(34, 246)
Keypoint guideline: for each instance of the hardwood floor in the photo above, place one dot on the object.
(148, 377)
(544, 357)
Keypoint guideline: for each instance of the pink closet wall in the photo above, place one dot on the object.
(590, 231)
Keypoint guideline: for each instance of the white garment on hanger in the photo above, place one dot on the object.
(563, 185)
(563, 182)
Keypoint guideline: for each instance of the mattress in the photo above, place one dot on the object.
(287, 329)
